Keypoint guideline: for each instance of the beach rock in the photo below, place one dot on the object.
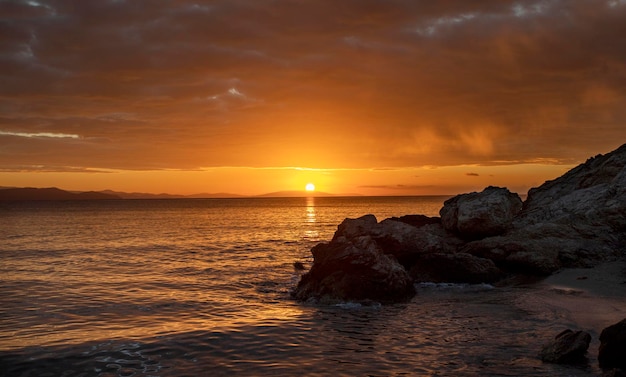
(615, 372)
(577, 220)
(352, 228)
(567, 347)
(354, 270)
(612, 351)
(417, 220)
(524, 251)
(454, 268)
(397, 238)
(588, 204)
(481, 214)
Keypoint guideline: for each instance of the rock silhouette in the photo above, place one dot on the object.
(568, 347)
(612, 351)
(577, 220)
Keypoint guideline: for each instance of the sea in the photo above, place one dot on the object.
(201, 287)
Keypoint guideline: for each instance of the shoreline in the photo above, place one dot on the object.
(592, 298)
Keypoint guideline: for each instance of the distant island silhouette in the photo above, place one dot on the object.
(51, 193)
(54, 193)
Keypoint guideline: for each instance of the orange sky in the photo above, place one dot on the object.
(376, 97)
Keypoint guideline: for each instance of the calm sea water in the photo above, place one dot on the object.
(201, 287)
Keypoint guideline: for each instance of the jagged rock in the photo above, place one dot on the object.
(589, 199)
(353, 228)
(567, 347)
(612, 351)
(417, 220)
(354, 270)
(577, 220)
(534, 252)
(454, 268)
(399, 239)
(480, 214)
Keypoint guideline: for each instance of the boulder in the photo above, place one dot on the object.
(612, 351)
(354, 270)
(479, 215)
(567, 347)
(397, 238)
(417, 220)
(539, 249)
(590, 199)
(454, 268)
(577, 220)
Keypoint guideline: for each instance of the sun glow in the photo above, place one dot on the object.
(309, 187)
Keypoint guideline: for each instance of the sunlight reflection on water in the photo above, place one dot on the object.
(195, 287)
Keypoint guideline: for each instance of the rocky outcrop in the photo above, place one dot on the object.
(566, 348)
(481, 214)
(612, 351)
(354, 269)
(577, 220)
(454, 268)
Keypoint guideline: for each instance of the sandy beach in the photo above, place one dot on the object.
(589, 298)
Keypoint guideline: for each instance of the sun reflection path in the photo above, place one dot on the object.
(311, 220)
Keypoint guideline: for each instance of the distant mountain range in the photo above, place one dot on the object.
(143, 195)
(53, 193)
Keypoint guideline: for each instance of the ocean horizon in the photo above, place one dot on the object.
(202, 287)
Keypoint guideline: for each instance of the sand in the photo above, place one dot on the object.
(592, 298)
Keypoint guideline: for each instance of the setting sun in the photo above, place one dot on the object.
(309, 187)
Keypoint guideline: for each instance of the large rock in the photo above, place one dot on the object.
(612, 352)
(567, 347)
(590, 198)
(406, 243)
(454, 268)
(540, 249)
(577, 220)
(481, 214)
(354, 270)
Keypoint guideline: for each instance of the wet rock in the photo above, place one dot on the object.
(567, 347)
(354, 270)
(481, 214)
(612, 351)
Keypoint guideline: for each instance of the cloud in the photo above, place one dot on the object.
(39, 134)
(472, 174)
(401, 187)
(350, 84)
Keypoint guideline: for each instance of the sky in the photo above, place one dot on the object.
(375, 97)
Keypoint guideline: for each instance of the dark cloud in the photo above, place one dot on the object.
(315, 83)
(472, 174)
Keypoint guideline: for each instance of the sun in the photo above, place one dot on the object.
(309, 187)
